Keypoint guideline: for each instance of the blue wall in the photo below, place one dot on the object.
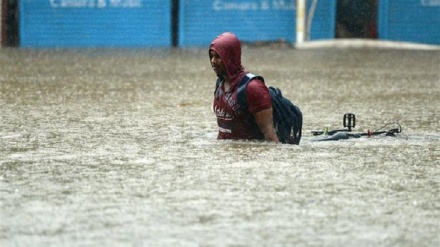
(103, 23)
(250, 20)
(324, 19)
(147, 23)
(410, 20)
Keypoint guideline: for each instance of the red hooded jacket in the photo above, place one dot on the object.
(233, 121)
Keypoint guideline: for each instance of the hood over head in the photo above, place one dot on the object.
(228, 47)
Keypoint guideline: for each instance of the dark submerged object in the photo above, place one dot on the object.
(349, 122)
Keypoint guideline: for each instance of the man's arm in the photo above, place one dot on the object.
(264, 120)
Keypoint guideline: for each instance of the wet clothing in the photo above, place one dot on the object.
(234, 122)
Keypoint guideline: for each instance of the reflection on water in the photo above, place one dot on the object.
(118, 147)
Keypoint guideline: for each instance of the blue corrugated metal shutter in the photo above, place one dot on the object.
(250, 20)
(87, 23)
(410, 20)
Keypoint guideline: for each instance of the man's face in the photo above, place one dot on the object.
(217, 64)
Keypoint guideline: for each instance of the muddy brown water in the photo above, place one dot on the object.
(115, 147)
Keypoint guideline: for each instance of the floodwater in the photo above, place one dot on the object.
(115, 147)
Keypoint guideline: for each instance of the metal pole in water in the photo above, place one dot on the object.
(300, 20)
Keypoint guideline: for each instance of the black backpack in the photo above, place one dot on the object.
(287, 117)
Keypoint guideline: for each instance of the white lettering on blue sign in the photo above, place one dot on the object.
(221, 5)
(283, 4)
(430, 3)
(228, 5)
(265, 5)
(95, 3)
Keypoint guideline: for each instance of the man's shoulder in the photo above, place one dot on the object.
(250, 80)
(250, 77)
(256, 84)
(256, 80)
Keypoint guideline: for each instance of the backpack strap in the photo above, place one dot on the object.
(241, 90)
(217, 84)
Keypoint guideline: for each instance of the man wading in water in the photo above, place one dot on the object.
(233, 121)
